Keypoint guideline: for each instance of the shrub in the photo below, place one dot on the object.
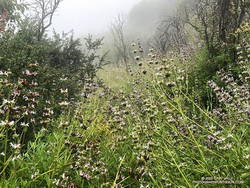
(39, 80)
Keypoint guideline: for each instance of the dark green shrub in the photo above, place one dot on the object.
(204, 69)
(39, 80)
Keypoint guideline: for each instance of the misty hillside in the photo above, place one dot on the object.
(146, 15)
(124, 94)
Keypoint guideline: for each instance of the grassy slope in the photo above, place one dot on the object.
(114, 77)
(151, 134)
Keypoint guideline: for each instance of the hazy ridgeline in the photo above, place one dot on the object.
(161, 99)
(140, 24)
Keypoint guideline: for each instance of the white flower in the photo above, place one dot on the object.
(5, 101)
(63, 79)
(7, 123)
(3, 123)
(34, 175)
(11, 123)
(25, 124)
(15, 146)
(64, 90)
(5, 73)
(56, 182)
(247, 167)
(16, 157)
(2, 73)
(246, 157)
(32, 112)
(64, 103)
(28, 73)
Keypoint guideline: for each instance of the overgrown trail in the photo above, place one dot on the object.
(150, 133)
(175, 115)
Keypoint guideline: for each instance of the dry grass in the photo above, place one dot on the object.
(114, 77)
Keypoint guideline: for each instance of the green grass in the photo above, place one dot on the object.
(114, 77)
(150, 134)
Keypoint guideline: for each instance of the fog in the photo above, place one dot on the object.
(89, 16)
(145, 16)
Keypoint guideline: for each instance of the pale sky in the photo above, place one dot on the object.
(89, 16)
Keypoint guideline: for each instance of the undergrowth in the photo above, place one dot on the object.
(154, 132)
